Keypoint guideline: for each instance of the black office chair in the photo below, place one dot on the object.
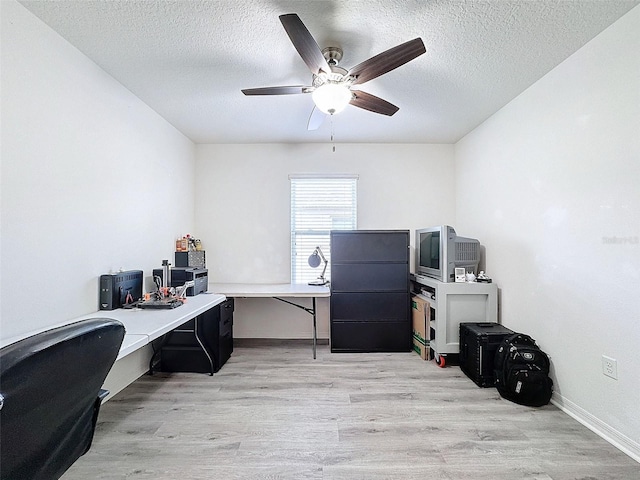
(50, 396)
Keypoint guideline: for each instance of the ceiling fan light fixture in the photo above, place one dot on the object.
(331, 98)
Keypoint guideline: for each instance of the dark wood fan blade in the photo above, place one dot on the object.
(388, 60)
(292, 90)
(304, 43)
(316, 118)
(372, 103)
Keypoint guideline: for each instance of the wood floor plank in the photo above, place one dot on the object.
(272, 412)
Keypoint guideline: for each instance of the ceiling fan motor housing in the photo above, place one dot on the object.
(333, 55)
(337, 75)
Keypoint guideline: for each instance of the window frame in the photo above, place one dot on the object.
(311, 196)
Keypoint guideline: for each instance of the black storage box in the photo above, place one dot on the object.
(478, 345)
(193, 259)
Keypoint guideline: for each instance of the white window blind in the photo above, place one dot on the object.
(319, 204)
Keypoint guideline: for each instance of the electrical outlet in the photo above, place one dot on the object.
(610, 367)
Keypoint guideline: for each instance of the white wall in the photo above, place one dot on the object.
(92, 178)
(546, 184)
(242, 211)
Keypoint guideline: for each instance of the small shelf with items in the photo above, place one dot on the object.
(451, 304)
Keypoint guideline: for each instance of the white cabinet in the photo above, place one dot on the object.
(452, 304)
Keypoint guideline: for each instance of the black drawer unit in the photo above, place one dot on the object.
(203, 344)
(367, 246)
(368, 306)
(225, 333)
(368, 336)
(370, 300)
(368, 277)
(478, 345)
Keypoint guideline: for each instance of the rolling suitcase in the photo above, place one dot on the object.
(478, 345)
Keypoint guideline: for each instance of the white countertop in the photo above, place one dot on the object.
(145, 325)
(142, 325)
(156, 322)
(258, 290)
(131, 343)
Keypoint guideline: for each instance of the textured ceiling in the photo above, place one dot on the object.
(188, 59)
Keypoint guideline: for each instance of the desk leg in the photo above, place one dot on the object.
(311, 311)
(315, 333)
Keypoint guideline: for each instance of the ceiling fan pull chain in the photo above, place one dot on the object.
(332, 140)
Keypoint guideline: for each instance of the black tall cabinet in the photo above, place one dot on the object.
(370, 293)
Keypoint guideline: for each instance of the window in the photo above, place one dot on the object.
(319, 204)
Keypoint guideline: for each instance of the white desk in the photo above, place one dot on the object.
(277, 291)
(131, 343)
(156, 322)
(142, 326)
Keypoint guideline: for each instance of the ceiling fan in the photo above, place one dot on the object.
(332, 86)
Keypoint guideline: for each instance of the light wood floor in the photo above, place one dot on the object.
(273, 412)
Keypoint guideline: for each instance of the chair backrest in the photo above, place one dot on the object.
(51, 394)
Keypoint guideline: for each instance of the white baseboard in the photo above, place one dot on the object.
(611, 435)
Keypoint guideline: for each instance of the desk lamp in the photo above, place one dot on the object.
(314, 261)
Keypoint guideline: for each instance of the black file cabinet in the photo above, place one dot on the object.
(370, 300)
(203, 344)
